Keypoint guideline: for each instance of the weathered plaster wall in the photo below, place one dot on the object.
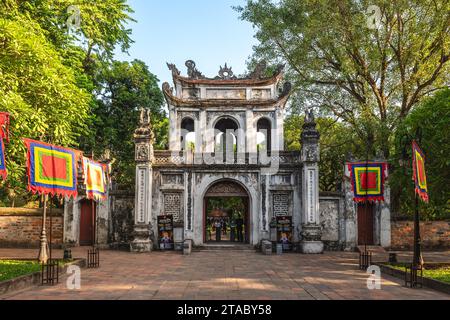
(72, 213)
(332, 221)
(121, 221)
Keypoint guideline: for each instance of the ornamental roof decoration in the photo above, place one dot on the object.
(176, 101)
(145, 126)
(192, 71)
(226, 75)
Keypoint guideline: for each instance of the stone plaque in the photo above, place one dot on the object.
(280, 179)
(141, 201)
(171, 178)
(329, 212)
(190, 93)
(311, 195)
(261, 94)
(225, 94)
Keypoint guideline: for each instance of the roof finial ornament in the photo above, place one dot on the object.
(172, 67)
(258, 72)
(226, 73)
(192, 71)
(286, 89)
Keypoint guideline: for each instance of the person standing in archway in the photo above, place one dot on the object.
(239, 225)
(218, 227)
(232, 230)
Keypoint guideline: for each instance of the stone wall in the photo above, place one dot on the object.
(122, 219)
(434, 234)
(331, 209)
(21, 227)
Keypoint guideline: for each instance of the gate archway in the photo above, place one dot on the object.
(226, 213)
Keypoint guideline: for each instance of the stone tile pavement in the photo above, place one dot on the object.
(223, 275)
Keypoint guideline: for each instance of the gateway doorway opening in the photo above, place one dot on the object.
(226, 217)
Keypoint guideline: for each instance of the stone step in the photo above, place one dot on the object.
(234, 247)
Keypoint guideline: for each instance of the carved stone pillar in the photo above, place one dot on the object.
(311, 230)
(143, 138)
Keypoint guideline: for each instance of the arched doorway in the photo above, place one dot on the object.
(225, 133)
(226, 213)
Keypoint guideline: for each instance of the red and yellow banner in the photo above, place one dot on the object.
(51, 169)
(367, 179)
(419, 176)
(3, 172)
(94, 179)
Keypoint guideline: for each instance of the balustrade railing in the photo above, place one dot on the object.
(163, 157)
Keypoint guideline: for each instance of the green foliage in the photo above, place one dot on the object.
(102, 24)
(61, 85)
(440, 274)
(10, 269)
(123, 88)
(337, 141)
(236, 205)
(39, 92)
(368, 77)
(432, 116)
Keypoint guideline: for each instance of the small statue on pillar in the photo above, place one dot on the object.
(144, 137)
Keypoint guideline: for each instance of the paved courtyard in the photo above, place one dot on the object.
(223, 275)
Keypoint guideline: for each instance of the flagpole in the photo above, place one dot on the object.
(43, 256)
(417, 254)
(93, 215)
(51, 227)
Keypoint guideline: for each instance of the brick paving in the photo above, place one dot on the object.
(223, 275)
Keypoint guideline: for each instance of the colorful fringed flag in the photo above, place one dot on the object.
(4, 126)
(419, 176)
(51, 169)
(94, 179)
(367, 179)
(3, 172)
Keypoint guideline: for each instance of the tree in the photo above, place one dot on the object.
(39, 92)
(48, 72)
(369, 76)
(102, 25)
(337, 141)
(432, 117)
(123, 89)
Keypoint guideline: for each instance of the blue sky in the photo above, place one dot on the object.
(206, 31)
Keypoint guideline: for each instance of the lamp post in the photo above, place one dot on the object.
(43, 255)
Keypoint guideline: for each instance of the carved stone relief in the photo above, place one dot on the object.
(142, 152)
(226, 188)
(172, 179)
(172, 205)
(280, 203)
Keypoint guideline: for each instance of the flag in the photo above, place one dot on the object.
(51, 169)
(3, 172)
(419, 176)
(4, 126)
(367, 179)
(94, 179)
